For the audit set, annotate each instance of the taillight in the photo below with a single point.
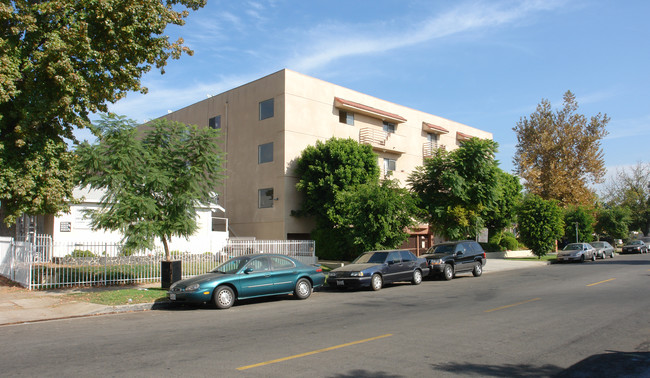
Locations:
(319, 270)
(484, 256)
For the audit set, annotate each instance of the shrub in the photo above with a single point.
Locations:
(81, 253)
(509, 242)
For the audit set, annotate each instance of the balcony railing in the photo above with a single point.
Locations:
(428, 148)
(382, 140)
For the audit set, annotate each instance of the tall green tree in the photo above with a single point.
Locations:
(630, 188)
(354, 212)
(457, 189)
(153, 181)
(559, 153)
(59, 61)
(328, 168)
(503, 211)
(374, 216)
(540, 223)
(580, 219)
(613, 223)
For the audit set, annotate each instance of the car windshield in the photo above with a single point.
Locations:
(232, 266)
(573, 247)
(636, 242)
(443, 248)
(371, 258)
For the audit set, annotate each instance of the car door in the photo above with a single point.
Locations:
(255, 278)
(283, 274)
(409, 263)
(462, 254)
(394, 269)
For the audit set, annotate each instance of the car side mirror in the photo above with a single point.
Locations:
(248, 270)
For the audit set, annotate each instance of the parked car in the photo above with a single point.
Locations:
(375, 269)
(577, 252)
(455, 257)
(249, 276)
(635, 246)
(603, 249)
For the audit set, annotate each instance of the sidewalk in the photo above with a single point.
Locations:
(18, 305)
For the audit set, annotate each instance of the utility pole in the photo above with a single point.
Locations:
(576, 232)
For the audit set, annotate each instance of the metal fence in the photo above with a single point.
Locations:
(45, 265)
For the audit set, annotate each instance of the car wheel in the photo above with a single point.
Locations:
(582, 258)
(303, 289)
(417, 277)
(376, 282)
(448, 272)
(478, 269)
(593, 257)
(223, 297)
(612, 255)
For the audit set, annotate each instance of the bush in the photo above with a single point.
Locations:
(509, 242)
(81, 253)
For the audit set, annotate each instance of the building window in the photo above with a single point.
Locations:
(266, 109)
(265, 198)
(215, 122)
(389, 127)
(389, 165)
(346, 117)
(265, 153)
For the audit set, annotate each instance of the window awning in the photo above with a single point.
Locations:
(463, 137)
(431, 128)
(367, 110)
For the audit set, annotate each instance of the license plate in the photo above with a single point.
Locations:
(340, 283)
(172, 296)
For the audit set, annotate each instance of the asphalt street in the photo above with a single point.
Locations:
(586, 319)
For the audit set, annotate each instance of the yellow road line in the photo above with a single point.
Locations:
(599, 282)
(314, 352)
(513, 305)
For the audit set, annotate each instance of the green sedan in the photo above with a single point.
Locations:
(249, 276)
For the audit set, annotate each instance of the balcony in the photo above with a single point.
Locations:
(428, 148)
(382, 141)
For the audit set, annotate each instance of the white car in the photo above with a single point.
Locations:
(577, 252)
(603, 249)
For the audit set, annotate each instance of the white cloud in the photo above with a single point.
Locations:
(327, 43)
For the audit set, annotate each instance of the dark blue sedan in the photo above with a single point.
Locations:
(249, 276)
(377, 268)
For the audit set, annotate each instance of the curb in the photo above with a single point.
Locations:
(162, 305)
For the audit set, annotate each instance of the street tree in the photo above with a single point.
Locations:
(630, 188)
(328, 168)
(374, 216)
(153, 179)
(458, 189)
(354, 212)
(579, 224)
(503, 212)
(61, 60)
(559, 153)
(540, 223)
(613, 223)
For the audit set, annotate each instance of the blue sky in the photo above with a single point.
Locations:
(482, 63)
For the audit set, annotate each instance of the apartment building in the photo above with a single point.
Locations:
(267, 123)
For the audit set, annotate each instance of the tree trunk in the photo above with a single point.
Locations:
(166, 245)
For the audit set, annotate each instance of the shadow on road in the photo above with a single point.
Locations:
(508, 370)
(611, 364)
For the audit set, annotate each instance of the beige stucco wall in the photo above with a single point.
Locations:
(304, 112)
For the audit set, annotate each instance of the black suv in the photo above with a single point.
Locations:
(454, 257)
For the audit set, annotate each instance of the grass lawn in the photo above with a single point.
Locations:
(116, 297)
